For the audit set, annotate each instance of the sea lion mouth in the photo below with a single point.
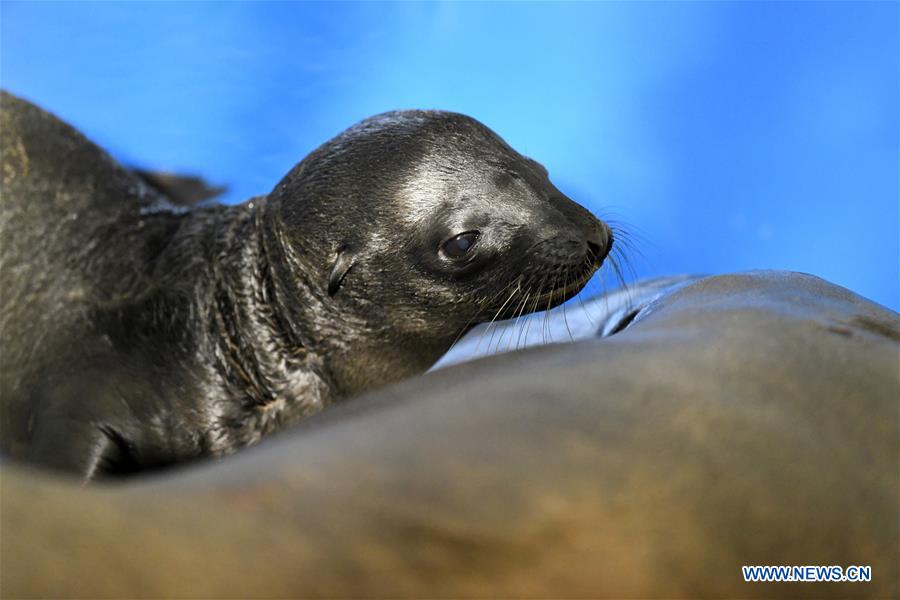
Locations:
(597, 251)
(568, 290)
(529, 293)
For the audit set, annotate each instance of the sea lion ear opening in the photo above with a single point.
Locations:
(339, 269)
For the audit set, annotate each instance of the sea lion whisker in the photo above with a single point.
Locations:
(519, 311)
(519, 316)
(485, 303)
(603, 287)
(587, 313)
(537, 297)
(623, 285)
(624, 259)
(495, 324)
(546, 325)
(464, 330)
(565, 318)
(504, 328)
(494, 318)
(534, 309)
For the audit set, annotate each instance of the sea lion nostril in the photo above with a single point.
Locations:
(598, 246)
(597, 252)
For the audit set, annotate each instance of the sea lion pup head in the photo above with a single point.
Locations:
(412, 226)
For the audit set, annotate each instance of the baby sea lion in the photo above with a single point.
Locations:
(137, 333)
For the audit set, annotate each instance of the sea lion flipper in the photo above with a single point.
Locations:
(79, 448)
(339, 269)
(181, 189)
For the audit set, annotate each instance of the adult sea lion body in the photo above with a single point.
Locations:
(739, 420)
(137, 333)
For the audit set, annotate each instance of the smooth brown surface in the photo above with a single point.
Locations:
(746, 419)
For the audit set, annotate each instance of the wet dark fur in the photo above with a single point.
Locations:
(136, 333)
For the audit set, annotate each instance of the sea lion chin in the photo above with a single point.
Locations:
(198, 330)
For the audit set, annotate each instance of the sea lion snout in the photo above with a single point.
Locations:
(574, 231)
(599, 242)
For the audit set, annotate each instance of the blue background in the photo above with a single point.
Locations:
(727, 136)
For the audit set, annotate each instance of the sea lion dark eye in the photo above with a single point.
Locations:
(460, 245)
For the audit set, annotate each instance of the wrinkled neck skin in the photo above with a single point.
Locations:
(357, 348)
(279, 340)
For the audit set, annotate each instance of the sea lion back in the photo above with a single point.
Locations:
(68, 213)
